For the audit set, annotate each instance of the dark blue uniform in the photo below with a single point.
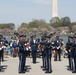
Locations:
(48, 55)
(74, 56)
(69, 44)
(1, 52)
(0, 59)
(22, 57)
(43, 53)
(58, 51)
(34, 47)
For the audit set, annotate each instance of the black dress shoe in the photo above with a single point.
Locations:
(44, 69)
(22, 72)
(34, 62)
(48, 72)
(73, 71)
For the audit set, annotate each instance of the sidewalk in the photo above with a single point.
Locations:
(10, 67)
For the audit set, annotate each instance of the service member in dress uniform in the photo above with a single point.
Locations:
(48, 55)
(69, 50)
(42, 48)
(53, 48)
(22, 54)
(58, 51)
(1, 49)
(74, 54)
(34, 48)
(0, 54)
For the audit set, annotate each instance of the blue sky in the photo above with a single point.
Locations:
(18, 11)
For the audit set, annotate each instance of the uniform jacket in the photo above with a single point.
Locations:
(34, 45)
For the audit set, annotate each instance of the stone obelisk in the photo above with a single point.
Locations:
(54, 8)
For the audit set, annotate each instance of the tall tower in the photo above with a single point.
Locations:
(54, 8)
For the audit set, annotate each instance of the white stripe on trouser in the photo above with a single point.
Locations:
(44, 62)
(49, 65)
(73, 64)
(20, 62)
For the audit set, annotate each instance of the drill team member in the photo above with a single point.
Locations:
(48, 55)
(58, 51)
(34, 47)
(22, 54)
(74, 54)
(69, 49)
(0, 54)
(1, 49)
(42, 48)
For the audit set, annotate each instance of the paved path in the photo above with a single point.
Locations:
(10, 67)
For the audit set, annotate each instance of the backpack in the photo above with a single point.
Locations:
(14, 44)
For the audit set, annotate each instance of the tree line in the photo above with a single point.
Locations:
(7, 25)
(54, 22)
(35, 24)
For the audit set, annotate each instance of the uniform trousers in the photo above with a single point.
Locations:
(21, 62)
(34, 52)
(49, 66)
(43, 59)
(0, 60)
(75, 63)
(70, 62)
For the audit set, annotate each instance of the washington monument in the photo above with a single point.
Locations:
(54, 8)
